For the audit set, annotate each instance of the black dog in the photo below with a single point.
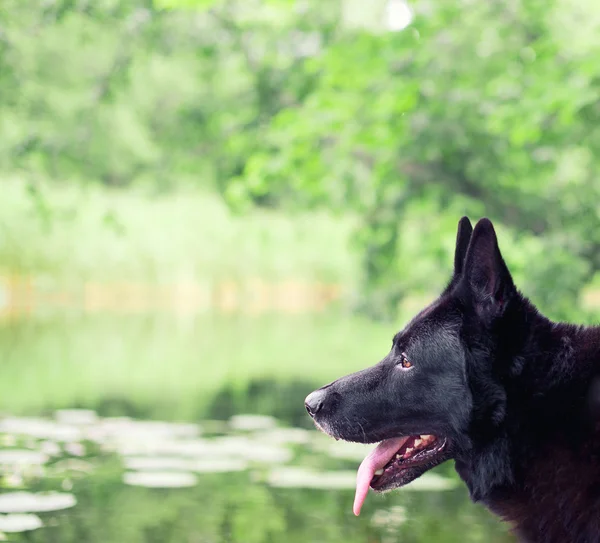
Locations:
(481, 377)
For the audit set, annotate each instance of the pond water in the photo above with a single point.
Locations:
(86, 456)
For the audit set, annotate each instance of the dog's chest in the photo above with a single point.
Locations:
(558, 500)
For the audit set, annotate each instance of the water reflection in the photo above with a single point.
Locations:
(243, 465)
(82, 477)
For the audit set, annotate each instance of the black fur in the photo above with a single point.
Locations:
(516, 395)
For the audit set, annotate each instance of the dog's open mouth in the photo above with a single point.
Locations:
(396, 462)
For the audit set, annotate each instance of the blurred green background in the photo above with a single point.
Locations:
(209, 208)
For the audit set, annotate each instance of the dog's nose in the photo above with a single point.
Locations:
(314, 401)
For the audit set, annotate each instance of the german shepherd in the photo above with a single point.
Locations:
(481, 377)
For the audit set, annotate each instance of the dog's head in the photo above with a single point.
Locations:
(441, 382)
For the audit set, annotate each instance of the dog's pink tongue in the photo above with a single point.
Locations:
(375, 460)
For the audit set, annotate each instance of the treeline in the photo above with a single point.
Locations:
(120, 92)
(479, 108)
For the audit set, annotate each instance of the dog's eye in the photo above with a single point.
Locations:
(405, 362)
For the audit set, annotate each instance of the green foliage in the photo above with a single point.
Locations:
(477, 108)
(123, 92)
(474, 108)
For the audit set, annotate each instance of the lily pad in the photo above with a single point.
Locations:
(19, 523)
(160, 479)
(199, 465)
(229, 446)
(130, 429)
(51, 448)
(75, 449)
(22, 457)
(159, 463)
(430, 482)
(29, 502)
(163, 447)
(40, 428)
(218, 465)
(280, 436)
(252, 422)
(76, 417)
(127, 436)
(344, 450)
(291, 477)
(252, 450)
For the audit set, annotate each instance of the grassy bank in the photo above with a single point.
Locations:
(75, 233)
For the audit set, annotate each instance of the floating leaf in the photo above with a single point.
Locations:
(160, 479)
(293, 477)
(29, 502)
(431, 482)
(22, 457)
(252, 422)
(77, 417)
(40, 428)
(19, 523)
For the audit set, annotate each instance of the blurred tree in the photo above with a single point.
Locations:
(475, 108)
(122, 91)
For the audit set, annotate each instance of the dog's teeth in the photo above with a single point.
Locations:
(379, 472)
(418, 442)
(408, 452)
(397, 456)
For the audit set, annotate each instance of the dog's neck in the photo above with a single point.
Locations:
(516, 397)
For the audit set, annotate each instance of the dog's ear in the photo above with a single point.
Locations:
(486, 273)
(463, 237)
